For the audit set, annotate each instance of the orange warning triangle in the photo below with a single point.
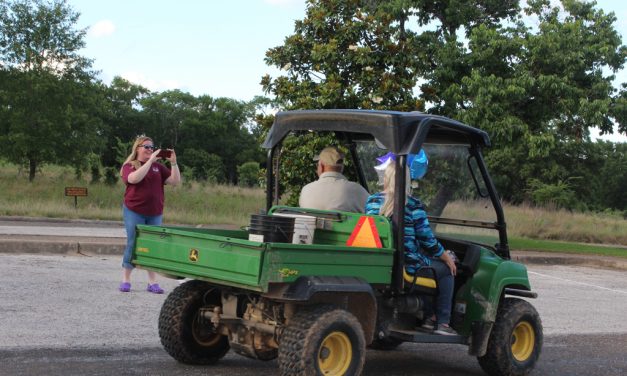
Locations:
(365, 234)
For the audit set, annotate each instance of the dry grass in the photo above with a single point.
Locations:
(559, 224)
(193, 203)
(198, 203)
(539, 223)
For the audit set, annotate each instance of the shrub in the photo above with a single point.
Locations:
(95, 174)
(559, 195)
(204, 166)
(111, 175)
(248, 174)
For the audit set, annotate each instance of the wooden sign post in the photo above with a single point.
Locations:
(76, 191)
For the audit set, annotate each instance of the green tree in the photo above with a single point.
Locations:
(124, 118)
(346, 54)
(204, 166)
(48, 111)
(248, 174)
(220, 126)
(367, 54)
(166, 112)
(612, 177)
(535, 89)
(531, 88)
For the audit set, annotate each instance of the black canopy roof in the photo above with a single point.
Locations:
(397, 131)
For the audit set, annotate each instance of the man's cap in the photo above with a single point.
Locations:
(330, 156)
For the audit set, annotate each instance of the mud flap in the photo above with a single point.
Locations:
(480, 335)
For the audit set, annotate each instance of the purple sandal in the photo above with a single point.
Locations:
(125, 286)
(154, 288)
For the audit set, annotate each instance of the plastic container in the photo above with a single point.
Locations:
(271, 229)
(304, 227)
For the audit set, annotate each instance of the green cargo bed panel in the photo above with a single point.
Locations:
(200, 253)
(285, 263)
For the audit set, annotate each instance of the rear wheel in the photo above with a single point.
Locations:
(322, 341)
(515, 341)
(184, 335)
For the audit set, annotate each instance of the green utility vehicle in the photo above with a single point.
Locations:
(319, 306)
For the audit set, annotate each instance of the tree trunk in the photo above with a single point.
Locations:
(32, 169)
(440, 200)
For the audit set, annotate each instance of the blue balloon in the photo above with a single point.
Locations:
(418, 164)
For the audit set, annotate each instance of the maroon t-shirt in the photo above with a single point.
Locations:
(146, 197)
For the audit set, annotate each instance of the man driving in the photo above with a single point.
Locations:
(332, 190)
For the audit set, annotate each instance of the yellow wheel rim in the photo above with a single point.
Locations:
(335, 354)
(523, 341)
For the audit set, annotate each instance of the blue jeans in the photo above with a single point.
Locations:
(444, 300)
(132, 219)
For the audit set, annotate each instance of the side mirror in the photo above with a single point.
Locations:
(482, 190)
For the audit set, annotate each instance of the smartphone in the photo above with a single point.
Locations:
(164, 153)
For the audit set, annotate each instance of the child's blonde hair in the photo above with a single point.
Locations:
(389, 182)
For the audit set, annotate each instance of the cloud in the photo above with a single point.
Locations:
(284, 3)
(150, 83)
(102, 28)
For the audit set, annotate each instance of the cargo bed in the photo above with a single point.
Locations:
(227, 257)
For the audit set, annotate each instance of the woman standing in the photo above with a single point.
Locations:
(143, 199)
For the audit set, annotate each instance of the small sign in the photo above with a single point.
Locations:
(76, 191)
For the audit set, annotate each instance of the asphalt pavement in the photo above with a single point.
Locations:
(63, 315)
(61, 308)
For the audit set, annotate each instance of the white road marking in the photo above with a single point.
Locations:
(579, 283)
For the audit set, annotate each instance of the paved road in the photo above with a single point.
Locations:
(63, 315)
(60, 227)
(56, 230)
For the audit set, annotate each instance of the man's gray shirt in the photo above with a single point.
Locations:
(332, 191)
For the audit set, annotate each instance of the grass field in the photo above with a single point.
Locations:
(202, 204)
(193, 203)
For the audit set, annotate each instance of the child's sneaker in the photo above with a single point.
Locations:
(445, 330)
(428, 324)
(154, 288)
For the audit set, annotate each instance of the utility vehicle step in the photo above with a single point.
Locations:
(422, 337)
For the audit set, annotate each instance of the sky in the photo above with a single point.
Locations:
(212, 47)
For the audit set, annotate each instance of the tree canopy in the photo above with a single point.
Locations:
(47, 115)
(537, 77)
(53, 108)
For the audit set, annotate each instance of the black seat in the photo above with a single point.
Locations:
(470, 262)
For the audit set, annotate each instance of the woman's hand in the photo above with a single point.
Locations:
(172, 157)
(175, 177)
(448, 260)
(153, 157)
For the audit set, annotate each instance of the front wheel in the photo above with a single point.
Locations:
(323, 340)
(515, 341)
(184, 335)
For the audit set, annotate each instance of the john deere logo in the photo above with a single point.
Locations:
(193, 255)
